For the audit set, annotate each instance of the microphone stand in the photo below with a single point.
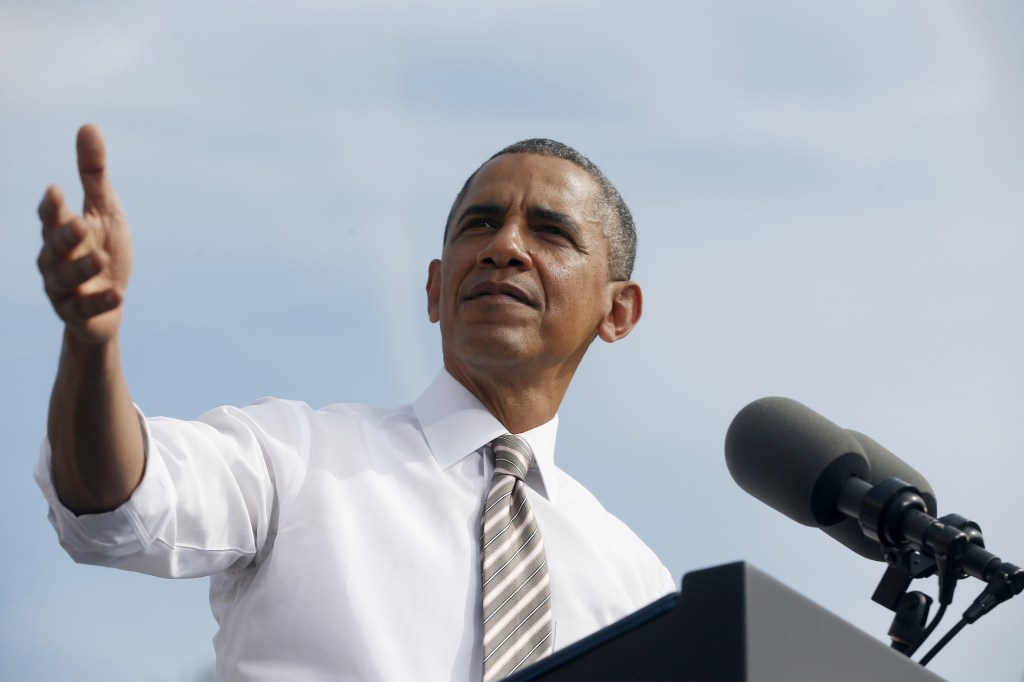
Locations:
(916, 545)
(909, 625)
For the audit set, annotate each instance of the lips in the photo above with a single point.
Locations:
(496, 291)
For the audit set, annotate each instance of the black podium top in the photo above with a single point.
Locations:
(730, 623)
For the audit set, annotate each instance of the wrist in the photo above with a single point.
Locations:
(90, 352)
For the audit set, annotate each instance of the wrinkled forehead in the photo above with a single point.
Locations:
(534, 180)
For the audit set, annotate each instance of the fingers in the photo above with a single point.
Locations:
(63, 279)
(75, 272)
(53, 210)
(76, 311)
(92, 168)
(78, 286)
(59, 243)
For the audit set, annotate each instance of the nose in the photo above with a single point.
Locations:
(507, 248)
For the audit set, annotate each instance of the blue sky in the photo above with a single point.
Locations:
(829, 204)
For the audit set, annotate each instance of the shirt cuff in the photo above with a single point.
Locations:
(125, 530)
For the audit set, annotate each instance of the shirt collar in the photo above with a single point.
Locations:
(456, 424)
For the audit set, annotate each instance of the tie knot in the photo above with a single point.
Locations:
(512, 456)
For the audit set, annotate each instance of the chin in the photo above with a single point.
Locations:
(493, 345)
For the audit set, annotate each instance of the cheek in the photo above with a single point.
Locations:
(579, 294)
(449, 286)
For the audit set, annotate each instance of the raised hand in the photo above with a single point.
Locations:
(86, 259)
(94, 434)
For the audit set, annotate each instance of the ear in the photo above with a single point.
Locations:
(627, 305)
(434, 290)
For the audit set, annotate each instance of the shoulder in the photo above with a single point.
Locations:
(275, 424)
(270, 410)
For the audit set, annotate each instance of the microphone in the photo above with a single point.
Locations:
(819, 474)
(843, 482)
(793, 459)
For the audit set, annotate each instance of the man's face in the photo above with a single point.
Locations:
(523, 275)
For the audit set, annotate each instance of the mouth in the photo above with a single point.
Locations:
(500, 292)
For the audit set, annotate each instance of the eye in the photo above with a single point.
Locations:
(476, 225)
(554, 231)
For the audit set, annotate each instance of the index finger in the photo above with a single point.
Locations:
(92, 168)
(53, 210)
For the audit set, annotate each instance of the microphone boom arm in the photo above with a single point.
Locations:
(894, 514)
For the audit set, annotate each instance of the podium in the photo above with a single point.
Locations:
(730, 623)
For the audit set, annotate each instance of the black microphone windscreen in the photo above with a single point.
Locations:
(793, 459)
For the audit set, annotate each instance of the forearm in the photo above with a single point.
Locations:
(94, 432)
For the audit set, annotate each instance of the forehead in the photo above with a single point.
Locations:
(534, 180)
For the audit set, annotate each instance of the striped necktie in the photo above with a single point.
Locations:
(516, 593)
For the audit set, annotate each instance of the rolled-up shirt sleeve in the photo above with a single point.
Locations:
(207, 499)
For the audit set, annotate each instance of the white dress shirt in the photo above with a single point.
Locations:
(343, 543)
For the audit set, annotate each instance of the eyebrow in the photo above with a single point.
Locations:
(490, 210)
(493, 210)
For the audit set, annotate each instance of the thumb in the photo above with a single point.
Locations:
(92, 168)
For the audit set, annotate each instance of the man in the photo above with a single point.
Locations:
(345, 543)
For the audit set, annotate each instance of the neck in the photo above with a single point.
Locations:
(520, 400)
